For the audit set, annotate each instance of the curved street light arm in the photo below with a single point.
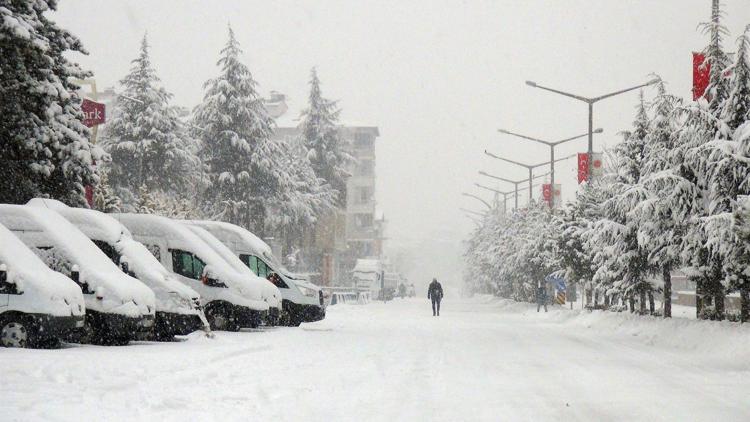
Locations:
(472, 212)
(622, 91)
(556, 91)
(478, 198)
(510, 161)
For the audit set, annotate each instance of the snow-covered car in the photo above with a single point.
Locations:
(119, 308)
(269, 292)
(178, 310)
(38, 306)
(302, 301)
(229, 301)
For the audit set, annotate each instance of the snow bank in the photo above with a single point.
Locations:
(723, 340)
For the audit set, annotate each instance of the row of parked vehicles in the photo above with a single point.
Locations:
(76, 274)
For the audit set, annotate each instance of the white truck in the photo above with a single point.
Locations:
(119, 308)
(38, 306)
(302, 300)
(269, 292)
(178, 310)
(229, 301)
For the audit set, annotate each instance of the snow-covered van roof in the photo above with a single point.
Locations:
(97, 225)
(120, 293)
(234, 233)
(180, 236)
(271, 293)
(46, 291)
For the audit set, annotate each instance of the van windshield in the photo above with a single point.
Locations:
(261, 269)
(108, 250)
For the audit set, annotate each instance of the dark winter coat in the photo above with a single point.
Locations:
(435, 292)
(541, 294)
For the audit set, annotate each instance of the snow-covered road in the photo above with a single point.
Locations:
(478, 361)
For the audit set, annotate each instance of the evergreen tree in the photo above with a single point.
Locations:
(623, 263)
(320, 135)
(660, 226)
(105, 200)
(146, 140)
(45, 149)
(246, 167)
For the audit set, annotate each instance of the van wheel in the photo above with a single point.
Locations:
(14, 334)
(219, 318)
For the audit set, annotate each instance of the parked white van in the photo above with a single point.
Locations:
(178, 309)
(38, 306)
(302, 301)
(269, 292)
(119, 308)
(229, 301)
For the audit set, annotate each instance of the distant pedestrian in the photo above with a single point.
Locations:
(541, 297)
(435, 293)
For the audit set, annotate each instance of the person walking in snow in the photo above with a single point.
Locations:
(541, 296)
(435, 293)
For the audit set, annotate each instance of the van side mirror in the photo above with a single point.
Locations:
(75, 275)
(6, 287)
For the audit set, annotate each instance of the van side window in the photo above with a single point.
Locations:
(262, 269)
(250, 261)
(182, 263)
(198, 266)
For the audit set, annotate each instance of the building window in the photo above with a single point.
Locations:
(365, 168)
(362, 140)
(364, 195)
(363, 220)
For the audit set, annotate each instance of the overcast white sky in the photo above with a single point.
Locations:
(438, 77)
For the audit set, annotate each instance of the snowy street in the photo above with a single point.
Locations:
(481, 360)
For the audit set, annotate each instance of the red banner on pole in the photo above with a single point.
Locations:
(583, 167)
(701, 75)
(547, 193)
(93, 113)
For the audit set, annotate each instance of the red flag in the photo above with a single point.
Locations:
(701, 75)
(547, 193)
(583, 167)
(90, 196)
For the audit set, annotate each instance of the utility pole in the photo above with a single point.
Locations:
(514, 182)
(529, 167)
(551, 146)
(590, 102)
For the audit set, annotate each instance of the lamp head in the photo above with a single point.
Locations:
(599, 130)
(531, 84)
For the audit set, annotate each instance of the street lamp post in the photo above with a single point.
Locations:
(514, 182)
(489, 207)
(504, 194)
(529, 167)
(551, 146)
(590, 102)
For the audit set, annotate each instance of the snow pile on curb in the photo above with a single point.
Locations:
(723, 339)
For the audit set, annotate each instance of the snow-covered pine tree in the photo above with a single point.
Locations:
(245, 165)
(146, 140)
(105, 200)
(45, 149)
(320, 135)
(729, 169)
(623, 263)
(660, 227)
